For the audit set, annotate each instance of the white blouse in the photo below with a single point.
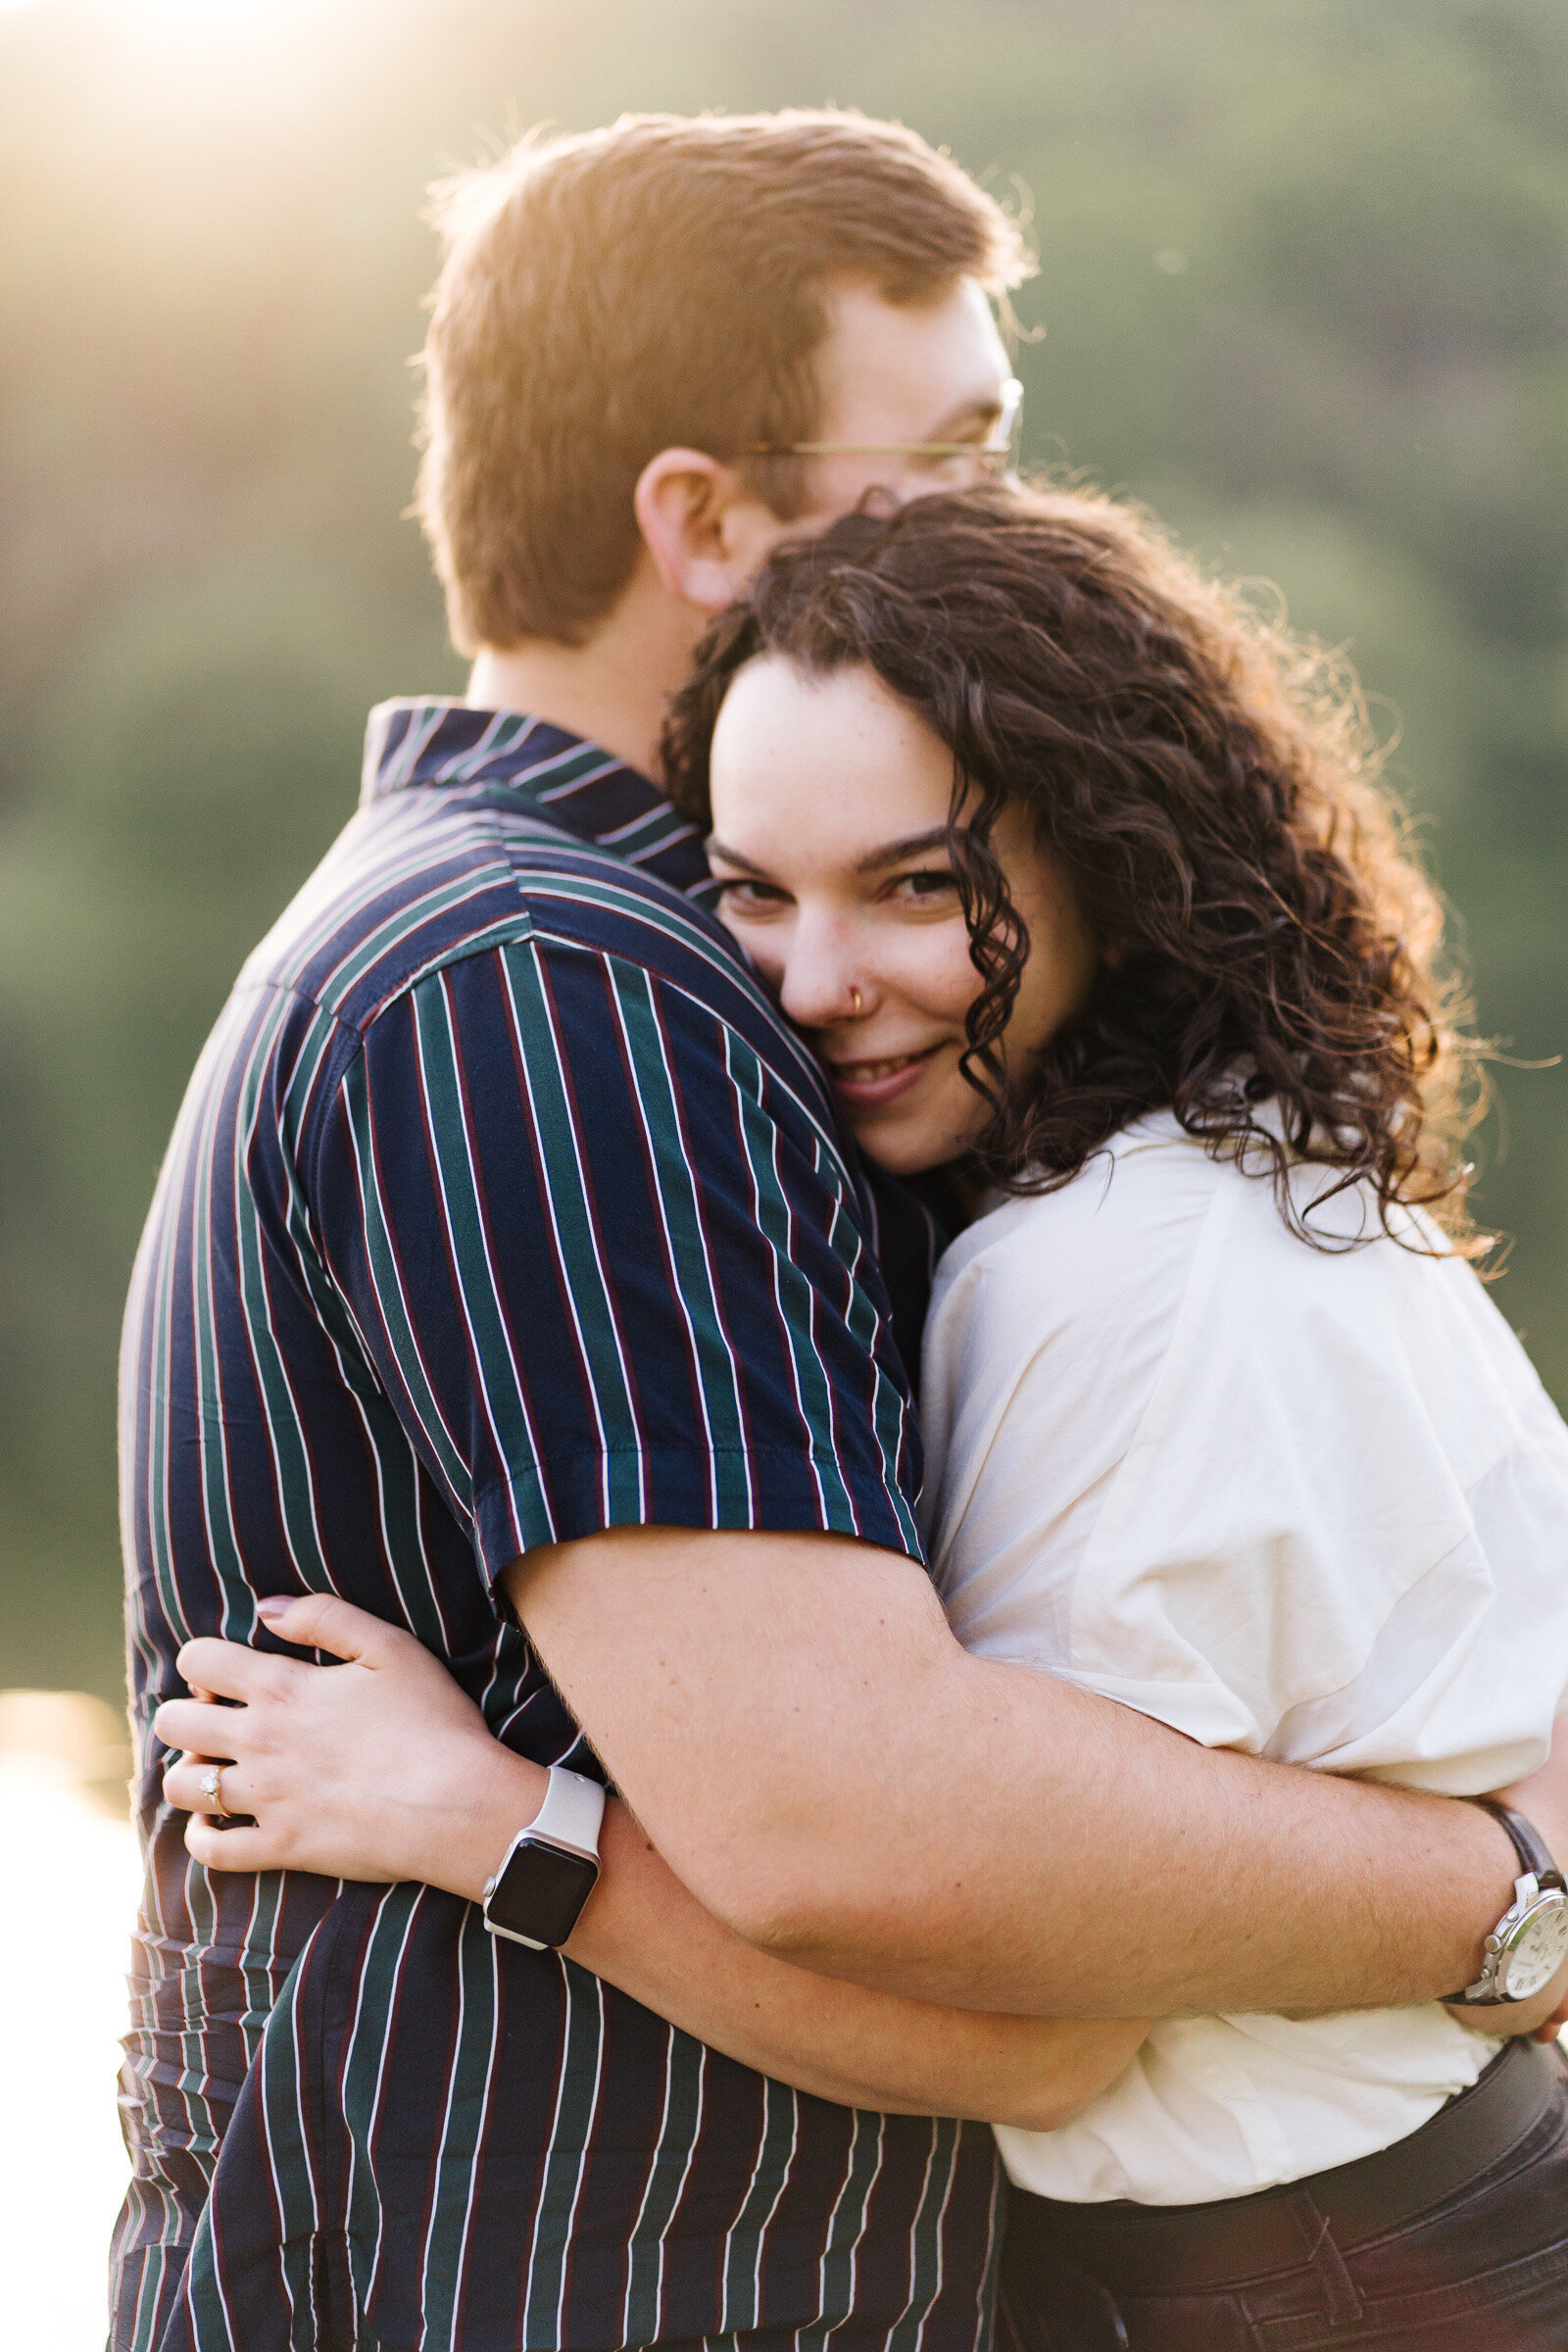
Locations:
(1308, 1503)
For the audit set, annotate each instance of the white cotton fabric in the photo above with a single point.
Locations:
(1309, 1504)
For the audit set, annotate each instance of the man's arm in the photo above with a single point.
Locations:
(383, 1769)
(818, 1760)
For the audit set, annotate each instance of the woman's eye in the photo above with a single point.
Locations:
(749, 898)
(925, 888)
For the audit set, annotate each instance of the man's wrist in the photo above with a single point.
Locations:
(1487, 1869)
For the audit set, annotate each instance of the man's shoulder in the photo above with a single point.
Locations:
(423, 884)
(421, 880)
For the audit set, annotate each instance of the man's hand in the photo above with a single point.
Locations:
(1543, 2019)
(375, 1769)
(1543, 1799)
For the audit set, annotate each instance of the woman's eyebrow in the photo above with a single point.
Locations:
(715, 848)
(894, 853)
(876, 861)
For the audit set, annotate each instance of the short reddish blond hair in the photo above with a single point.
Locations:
(652, 285)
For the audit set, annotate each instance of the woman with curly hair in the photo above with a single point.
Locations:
(1079, 879)
(1081, 882)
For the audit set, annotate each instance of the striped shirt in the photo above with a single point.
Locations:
(502, 1208)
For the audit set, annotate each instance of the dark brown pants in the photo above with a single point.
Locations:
(1363, 2256)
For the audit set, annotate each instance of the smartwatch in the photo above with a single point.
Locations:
(550, 1868)
(1530, 1941)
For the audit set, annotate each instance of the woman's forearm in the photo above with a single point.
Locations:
(644, 1934)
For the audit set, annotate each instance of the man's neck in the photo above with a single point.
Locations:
(611, 691)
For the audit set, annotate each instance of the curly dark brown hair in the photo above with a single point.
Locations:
(1208, 786)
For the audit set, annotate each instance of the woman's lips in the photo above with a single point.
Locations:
(867, 1084)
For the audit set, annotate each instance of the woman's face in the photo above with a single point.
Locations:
(830, 809)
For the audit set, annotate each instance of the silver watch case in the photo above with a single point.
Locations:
(1525, 1949)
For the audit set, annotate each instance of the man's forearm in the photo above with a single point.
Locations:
(831, 1775)
(1139, 1874)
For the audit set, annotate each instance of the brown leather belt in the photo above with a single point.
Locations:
(1185, 2249)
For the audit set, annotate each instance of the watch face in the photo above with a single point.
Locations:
(540, 1895)
(1536, 1948)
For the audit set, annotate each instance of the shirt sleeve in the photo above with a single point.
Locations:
(605, 1264)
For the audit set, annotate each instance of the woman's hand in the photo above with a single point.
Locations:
(380, 1768)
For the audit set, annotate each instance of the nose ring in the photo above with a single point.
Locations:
(855, 1000)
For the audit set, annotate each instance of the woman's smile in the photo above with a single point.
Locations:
(864, 1085)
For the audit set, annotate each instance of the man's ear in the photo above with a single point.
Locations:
(704, 530)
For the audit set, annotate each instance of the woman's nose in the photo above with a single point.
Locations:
(822, 980)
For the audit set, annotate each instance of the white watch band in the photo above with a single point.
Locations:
(572, 1813)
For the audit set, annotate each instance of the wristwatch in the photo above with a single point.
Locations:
(550, 1868)
(1530, 1941)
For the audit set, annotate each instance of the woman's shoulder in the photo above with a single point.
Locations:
(1093, 1261)
(1127, 1222)
(1157, 1228)
(1155, 1182)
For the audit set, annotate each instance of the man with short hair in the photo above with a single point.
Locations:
(505, 1229)
(657, 348)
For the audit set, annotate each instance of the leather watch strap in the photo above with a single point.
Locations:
(1532, 1854)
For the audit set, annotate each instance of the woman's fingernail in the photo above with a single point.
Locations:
(273, 1605)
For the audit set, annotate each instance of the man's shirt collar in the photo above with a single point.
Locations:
(575, 785)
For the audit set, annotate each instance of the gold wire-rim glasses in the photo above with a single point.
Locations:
(1000, 451)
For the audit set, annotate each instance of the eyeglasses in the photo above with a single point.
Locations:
(998, 455)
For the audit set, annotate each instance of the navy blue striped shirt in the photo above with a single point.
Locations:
(502, 1208)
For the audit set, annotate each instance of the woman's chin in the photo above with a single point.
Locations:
(908, 1146)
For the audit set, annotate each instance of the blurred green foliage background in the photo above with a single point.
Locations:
(1303, 286)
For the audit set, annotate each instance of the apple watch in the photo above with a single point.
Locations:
(1530, 1941)
(550, 1868)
